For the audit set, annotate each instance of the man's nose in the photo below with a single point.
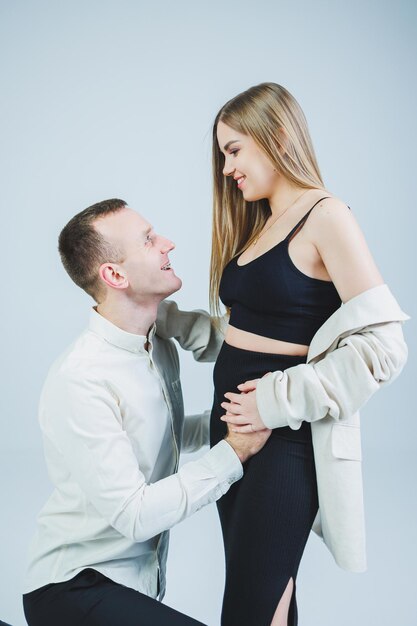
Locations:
(167, 245)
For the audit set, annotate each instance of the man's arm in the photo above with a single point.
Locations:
(194, 330)
(195, 434)
(82, 420)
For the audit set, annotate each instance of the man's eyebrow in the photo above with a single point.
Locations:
(229, 143)
(144, 233)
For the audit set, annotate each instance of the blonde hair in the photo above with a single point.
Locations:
(272, 117)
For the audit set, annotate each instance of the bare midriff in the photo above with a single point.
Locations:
(249, 341)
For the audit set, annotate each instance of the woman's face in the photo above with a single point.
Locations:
(253, 172)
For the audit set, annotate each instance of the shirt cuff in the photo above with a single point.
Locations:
(224, 463)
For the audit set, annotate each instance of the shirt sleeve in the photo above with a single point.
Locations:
(195, 433)
(82, 420)
(194, 330)
(339, 384)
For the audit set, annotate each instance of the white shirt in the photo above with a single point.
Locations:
(112, 420)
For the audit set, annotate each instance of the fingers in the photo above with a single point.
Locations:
(246, 428)
(249, 429)
(233, 397)
(249, 385)
(234, 419)
(231, 409)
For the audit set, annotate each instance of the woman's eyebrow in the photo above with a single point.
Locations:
(229, 143)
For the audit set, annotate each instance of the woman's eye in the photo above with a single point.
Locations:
(234, 152)
(148, 239)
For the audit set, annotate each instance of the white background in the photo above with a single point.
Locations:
(114, 98)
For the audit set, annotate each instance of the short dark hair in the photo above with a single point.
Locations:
(83, 249)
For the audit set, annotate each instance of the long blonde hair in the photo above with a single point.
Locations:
(268, 113)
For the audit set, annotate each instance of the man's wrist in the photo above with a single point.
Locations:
(242, 456)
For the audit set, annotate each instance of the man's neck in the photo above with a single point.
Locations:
(133, 317)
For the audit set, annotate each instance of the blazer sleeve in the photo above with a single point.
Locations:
(338, 384)
(194, 330)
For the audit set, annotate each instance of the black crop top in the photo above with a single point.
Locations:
(270, 296)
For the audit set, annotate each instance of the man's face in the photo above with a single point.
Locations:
(145, 261)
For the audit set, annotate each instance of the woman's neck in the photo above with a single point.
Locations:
(285, 194)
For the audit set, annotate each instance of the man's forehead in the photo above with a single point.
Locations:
(126, 220)
(139, 219)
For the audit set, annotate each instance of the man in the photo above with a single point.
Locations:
(111, 415)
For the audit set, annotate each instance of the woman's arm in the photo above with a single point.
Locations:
(335, 233)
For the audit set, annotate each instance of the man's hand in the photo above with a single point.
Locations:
(246, 445)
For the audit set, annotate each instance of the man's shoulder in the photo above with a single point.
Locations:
(82, 359)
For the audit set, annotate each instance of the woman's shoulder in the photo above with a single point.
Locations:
(341, 244)
(332, 217)
(330, 206)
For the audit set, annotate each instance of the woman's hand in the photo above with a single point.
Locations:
(242, 414)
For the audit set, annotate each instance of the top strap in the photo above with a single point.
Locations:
(303, 220)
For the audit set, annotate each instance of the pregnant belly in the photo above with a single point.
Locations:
(249, 341)
(237, 365)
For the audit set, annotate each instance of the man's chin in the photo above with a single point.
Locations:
(176, 285)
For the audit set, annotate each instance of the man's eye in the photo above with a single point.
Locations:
(148, 239)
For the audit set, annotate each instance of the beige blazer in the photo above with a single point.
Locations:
(357, 350)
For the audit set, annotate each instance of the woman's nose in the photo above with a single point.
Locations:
(228, 168)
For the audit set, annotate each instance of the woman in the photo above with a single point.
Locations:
(286, 253)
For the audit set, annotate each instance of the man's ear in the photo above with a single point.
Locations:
(113, 276)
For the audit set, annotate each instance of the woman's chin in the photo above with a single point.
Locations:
(251, 197)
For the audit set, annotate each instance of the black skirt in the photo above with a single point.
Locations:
(266, 517)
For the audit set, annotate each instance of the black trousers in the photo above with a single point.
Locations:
(91, 599)
(266, 517)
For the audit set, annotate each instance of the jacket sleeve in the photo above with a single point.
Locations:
(194, 330)
(84, 425)
(338, 384)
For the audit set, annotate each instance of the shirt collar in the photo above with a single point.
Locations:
(118, 337)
